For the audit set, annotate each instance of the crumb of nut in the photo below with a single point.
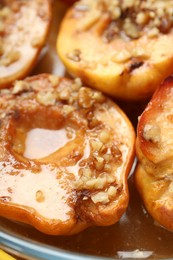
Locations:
(99, 163)
(121, 56)
(46, 98)
(70, 132)
(98, 96)
(4, 12)
(36, 42)
(110, 179)
(10, 58)
(39, 196)
(90, 184)
(87, 172)
(142, 18)
(20, 86)
(107, 167)
(65, 94)
(154, 32)
(75, 55)
(54, 80)
(101, 182)
(96, 145)
(115, 151)
(93, 122)
(139, 52)
(85, 97)
(112, 191)
(171, 187)
(132, 18)
(107, 157)
(67, 109)
(100, 197)
(152, 133)
(170, 117)
(117, 13)
(104, 136)
(131, 29)
(5, 91)
(77, 84)
(79, 184)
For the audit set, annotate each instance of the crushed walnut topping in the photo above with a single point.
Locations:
(36, 42)
(46, 98)
(20, 86)
(74, 55)
(10, 58)
(152, 133)
(98, 176)
(132, 18)
(39, 196)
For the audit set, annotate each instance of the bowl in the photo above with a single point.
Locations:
(135, 236)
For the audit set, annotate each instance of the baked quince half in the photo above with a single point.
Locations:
(123, 48)
(65, 154)
(154, 174)
(24, 27)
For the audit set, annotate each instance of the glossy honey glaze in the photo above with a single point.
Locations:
(136, 235)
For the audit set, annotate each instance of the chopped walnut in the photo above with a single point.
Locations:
(112, 191)
(152, 133)
(46, 98)
(67, 109)
(39, 196)
(99, 163)
(10, 58)
(5, 12)
(20, 86)
(122, 56)
(65, 94)
(133, 18)
(100, 197)
(74, 55)
(131, 29)
(54, 80)
(104, 136)
(36, 42)
(85, 97)
(77, 84)
(96, 145)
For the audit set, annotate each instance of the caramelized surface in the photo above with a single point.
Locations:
(135, 231)
(102, 43)
(155, 152)
(135, 235)
(79, 183)
(24, 27)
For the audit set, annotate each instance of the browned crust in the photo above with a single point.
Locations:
(154, 150)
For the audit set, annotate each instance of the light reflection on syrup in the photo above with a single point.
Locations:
(42, 142)
(86, 154)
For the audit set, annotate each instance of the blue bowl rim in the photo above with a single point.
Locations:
(30, 248)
